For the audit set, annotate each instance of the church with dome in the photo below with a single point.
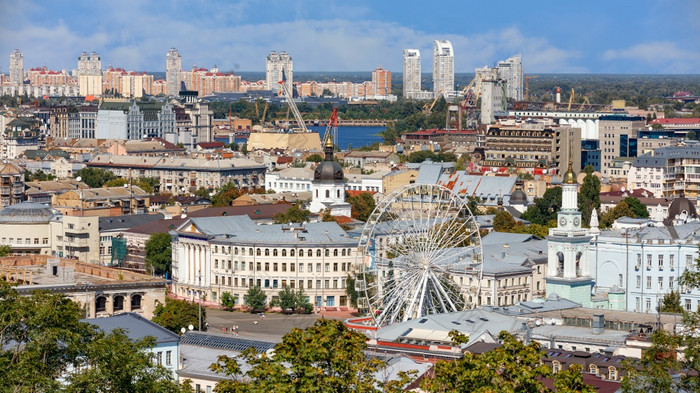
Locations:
(328, 185)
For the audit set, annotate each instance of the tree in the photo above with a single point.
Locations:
(351, 291)
(296, 213)
(176, 314)
(545, 209)
(503, 222)
(302, 302)
(640, 211)
(227, 300)
(38, 175)
(117, 364)
(589, 195)
(671, 303)
(287, 298)
(314, 158)
(326, 357)
(571, 381)
(202, 193)
(622, 209)
(327, 217)
(5, 250)
(512, 367)
(159, 253)
(95, 177)
(362, 205)
(41, 337)
(255, 298)
(473, 203)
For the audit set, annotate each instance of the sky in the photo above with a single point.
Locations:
(609, 37)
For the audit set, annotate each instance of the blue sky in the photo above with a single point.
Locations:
(652, 37)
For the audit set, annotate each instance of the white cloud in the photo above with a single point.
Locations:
(133, 36)
(664, 56)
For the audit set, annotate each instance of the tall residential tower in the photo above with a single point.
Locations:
(511, 71)
(90, 74)
(411, 72)
(173, 70)
(381, 82)
(278, 66)
(16, 67)
(443, 68)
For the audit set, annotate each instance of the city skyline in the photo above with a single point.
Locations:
(333, 36)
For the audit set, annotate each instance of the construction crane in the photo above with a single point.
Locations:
(427, 109)
(571, 99)
(527, 85)
(293, 106)
(471, 94)
(262, 119)
(331, 134)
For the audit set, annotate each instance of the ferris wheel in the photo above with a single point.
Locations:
(421, 254)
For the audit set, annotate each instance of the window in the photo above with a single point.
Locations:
(168, 358)
(687, 304)
(612, 373)
(216, 263)
(284, 267)
(318, 268)
(661, 261)
(661, 283)
(639, 281)
(159, 358)
(291, 267)
(670, 261)
(309, 253)
(670, 282)
(335, 252)
(291, 253)
(688, 260)
(301, 268)
(327, 267)
(258, 266)
(257, 251)
(648, 282)
(284, 252)
(648, 261)
(318, 253)
(274, 252)
(274, 267)
(267, 252)
(556, 366)
(335, 267)
(648, 304)
(267, 266)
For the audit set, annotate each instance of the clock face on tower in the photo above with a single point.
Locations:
(576, 221)
(562, 221)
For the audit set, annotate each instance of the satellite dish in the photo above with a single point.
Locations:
(622, 189)
(183, 330)
(79, 178)
(190, 327)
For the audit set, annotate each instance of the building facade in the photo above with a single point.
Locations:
(11, 184)
(411, 72)
(215, 255)
(443, 68)
(135, 120)
(618, 136)
(381, 82)
(668, 172)
(90, 74)
(511, 71)
(16, 67)
(173, 68)
(279, 67)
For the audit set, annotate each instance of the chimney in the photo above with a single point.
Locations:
(598, 323)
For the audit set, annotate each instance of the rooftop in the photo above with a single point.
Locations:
(136, 327)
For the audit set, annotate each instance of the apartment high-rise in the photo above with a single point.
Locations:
(16, 67)
(381, 82)
(173, 70)
(511, 71)
(278, 66)
(90, 74)
(411, 72)
(443, 68)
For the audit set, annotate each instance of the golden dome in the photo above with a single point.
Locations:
(570, 176)
(329, 142)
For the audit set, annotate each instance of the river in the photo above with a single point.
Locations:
(354, 136)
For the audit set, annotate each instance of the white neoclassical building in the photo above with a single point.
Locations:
(230, 254)
(328, 186)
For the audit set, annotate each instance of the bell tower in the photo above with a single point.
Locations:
(568, 272)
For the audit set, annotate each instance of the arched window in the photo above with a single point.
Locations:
(291, 252)
(338, 192)
(135, 302)
(309, 253)
(560, 263)
(235, 251)
(257, 251)
(284, 252)
(216, 249)
(328, 193)
(316, 193)
(593, 369)
(118, 303)
(556, 366)
(343, 252)
(250, 252)
(612, 373)
(578, 265)
(100, 304)
(335, 252)
(274, 252)
(267, 252)
(318, 252)
(327, 253)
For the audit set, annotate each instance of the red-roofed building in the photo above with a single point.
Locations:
(679, 123)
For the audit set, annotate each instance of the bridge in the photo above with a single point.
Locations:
(341, 122)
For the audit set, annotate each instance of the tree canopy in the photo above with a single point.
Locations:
(640, 211)
(42, 340)
(148, 184)
(362, 205)
(326, 357)
(589, 195)
(255, 298)
(159, 254)
(95, 177)
(176, 314)
(296, 214)
(545, 209)
(622, 209)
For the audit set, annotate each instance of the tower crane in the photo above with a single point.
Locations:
(427, 109)
(262, 120)
(527, 85)
(293, 106)
(571, 99)
(330, 136)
